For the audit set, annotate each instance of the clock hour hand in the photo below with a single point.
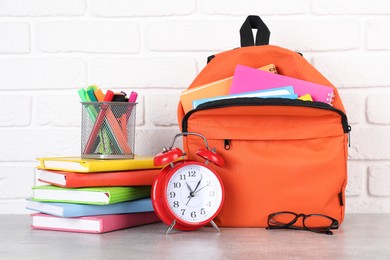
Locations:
(193, 192)
(189, 187)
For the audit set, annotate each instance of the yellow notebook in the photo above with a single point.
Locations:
(78, 164)
(213, 89)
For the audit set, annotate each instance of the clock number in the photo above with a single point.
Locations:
(176, 185)
(183, 211)
(208, 204)
(202, 211)
(182, 177)
(212, 193)
(172, 194)
(175, 204)
(193, 214)
(191, 174)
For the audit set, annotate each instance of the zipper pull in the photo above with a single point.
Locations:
(349, 135)
(227, 144)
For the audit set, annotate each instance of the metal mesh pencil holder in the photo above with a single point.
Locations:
(108, 130)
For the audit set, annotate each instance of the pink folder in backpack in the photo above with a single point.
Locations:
(249, 79)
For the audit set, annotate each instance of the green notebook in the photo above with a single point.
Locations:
(95, 195)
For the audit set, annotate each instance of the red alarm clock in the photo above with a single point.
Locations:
(187, 194)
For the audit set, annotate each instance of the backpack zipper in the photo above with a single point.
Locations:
(266, 102)
(226, 144)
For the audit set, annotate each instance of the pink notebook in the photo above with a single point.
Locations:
(249, 79)
(92, 224)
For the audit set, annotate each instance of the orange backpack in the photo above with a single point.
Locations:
(280, 154)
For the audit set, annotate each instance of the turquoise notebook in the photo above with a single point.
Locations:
(68, 210)
(282, 92)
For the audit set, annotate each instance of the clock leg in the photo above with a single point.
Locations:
(170, 227)
(215, 226)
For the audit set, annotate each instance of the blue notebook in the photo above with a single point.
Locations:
(68, 210)
(283, 92)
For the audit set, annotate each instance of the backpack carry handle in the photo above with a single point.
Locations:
(246, 34)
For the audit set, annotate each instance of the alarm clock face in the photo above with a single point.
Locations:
(194, 193)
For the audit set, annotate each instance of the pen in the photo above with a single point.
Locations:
(132, 99)
(99, 95)
(133, 96)
(104, 137)
(119, 97)
(98, 123)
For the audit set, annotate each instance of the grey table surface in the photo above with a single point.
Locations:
(360, 237)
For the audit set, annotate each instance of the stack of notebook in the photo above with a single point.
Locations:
(92, 195)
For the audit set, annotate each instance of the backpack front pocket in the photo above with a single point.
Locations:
(280, 155)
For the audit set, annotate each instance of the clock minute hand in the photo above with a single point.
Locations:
(197, 185)
(192, 193)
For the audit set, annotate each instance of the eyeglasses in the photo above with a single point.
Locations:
(314, 222)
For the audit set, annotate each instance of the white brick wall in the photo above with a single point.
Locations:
(16, 37)
(50, 73)
(50, 48)
(41, 8)
(88, 36)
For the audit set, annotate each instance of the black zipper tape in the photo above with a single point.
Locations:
(265, 102)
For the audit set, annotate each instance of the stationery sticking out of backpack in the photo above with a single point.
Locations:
(282, 152)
